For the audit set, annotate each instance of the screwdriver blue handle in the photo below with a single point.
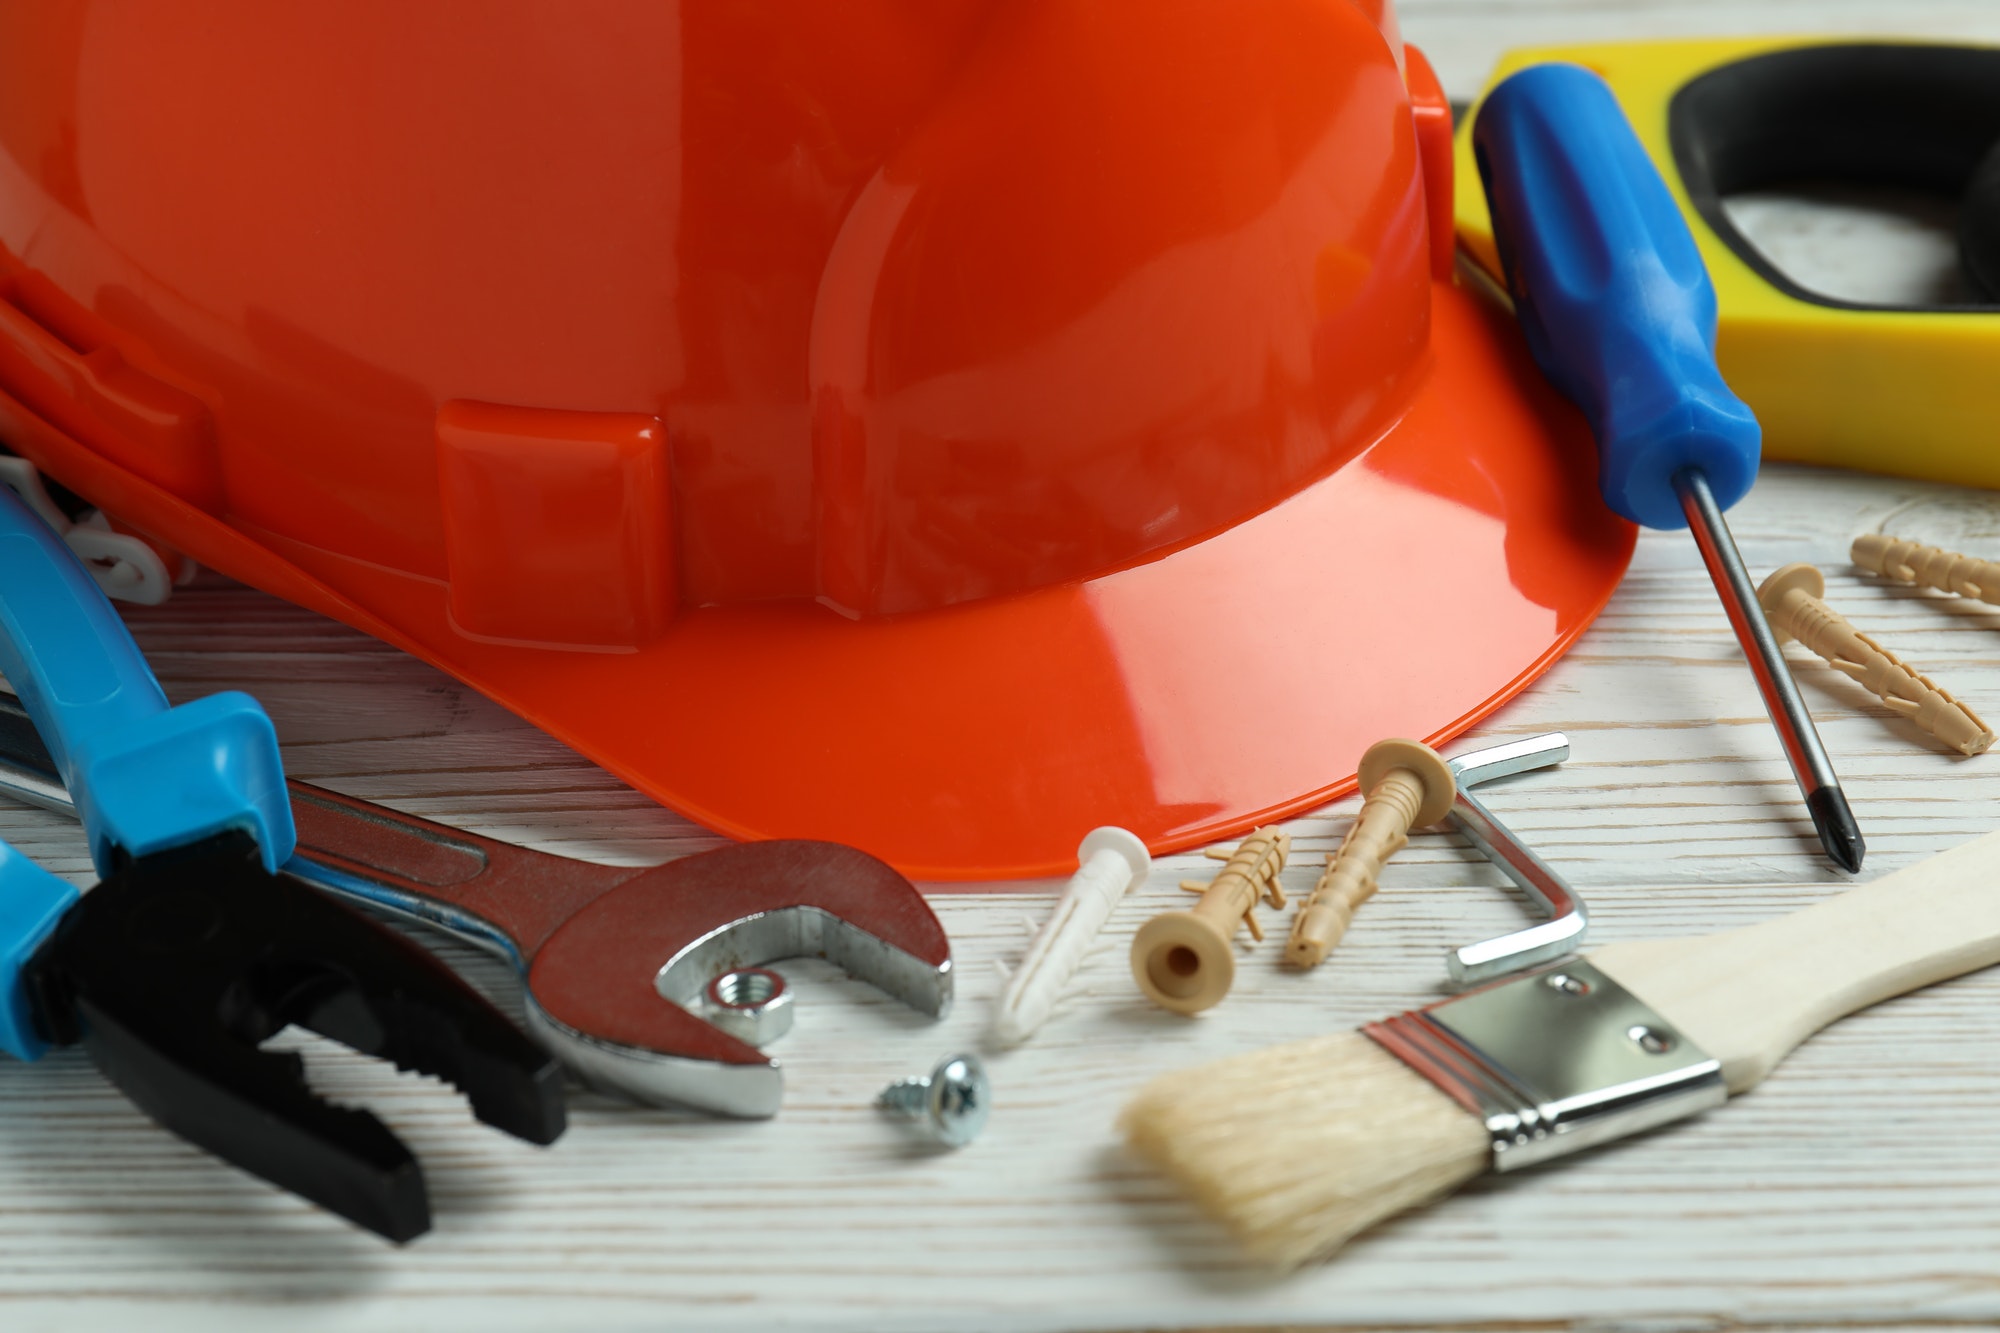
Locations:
(1610, 290)
(145, 777)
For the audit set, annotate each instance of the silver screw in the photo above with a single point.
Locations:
(952, 1103)
(1567, 984)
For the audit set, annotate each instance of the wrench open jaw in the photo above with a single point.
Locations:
(596, 988)
(610, 955)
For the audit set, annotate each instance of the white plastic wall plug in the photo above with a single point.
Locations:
(1111, 862)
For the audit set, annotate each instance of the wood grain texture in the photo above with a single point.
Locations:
(1862, 1180)
(1859, 1187)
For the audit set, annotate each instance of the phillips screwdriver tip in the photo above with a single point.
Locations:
(1838, 832)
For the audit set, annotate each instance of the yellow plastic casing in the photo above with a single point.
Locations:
(1911, 393)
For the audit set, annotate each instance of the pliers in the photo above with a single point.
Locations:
(192, 948)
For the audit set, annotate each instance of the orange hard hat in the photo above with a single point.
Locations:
(942, 426)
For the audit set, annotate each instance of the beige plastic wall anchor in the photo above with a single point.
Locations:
(1791, 598)
(1407, 784)
(1931, 566)
(1185, 961)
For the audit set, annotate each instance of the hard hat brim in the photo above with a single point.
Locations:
(1231, 682)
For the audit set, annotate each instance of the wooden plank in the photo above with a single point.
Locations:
(1862, 1180)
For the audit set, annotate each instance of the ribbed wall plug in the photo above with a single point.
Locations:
(1792, 599)
(1407, 784)
(1929, 566)
(1184, 961)
(1110, 863)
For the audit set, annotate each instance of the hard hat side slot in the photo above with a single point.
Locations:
(62, 361)
(557, 528)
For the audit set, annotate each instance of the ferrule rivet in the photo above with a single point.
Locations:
(1650, 1039)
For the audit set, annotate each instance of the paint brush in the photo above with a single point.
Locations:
(1354, 1128)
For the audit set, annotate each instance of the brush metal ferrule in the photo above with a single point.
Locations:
(1555, 1061)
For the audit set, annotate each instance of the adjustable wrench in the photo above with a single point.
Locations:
(608, 954)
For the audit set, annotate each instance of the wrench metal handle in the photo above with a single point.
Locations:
(459, 882)
(27, 772)
(1563, 932)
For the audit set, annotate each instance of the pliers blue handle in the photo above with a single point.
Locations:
(32, 902)
(145, 777)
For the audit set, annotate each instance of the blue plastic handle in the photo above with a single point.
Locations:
(32, 901)
(1611, 291)
(145, 777)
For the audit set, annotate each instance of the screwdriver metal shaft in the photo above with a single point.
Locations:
(1838, 832)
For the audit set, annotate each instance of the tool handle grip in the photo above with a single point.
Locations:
(1748, 996)
(1610, 290)
(145, 777)
(32, 902)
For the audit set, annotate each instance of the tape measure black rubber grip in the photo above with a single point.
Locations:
(1921, 117)
(1979, 228)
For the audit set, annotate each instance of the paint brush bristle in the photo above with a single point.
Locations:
(1299, 1147)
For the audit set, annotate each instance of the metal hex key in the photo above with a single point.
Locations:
(1563, 932)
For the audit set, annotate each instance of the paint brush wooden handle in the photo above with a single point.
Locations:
(1748, 996)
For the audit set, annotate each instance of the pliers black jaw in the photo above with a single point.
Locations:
(196, 947)
(174, 969)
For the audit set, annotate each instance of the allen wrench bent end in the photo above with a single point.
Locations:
(1563, 932)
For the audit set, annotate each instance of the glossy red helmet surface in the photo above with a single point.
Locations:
(942, 426)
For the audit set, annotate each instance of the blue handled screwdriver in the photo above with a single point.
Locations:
(1619, 313)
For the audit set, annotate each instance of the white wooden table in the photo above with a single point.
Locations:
(1860, 1187)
